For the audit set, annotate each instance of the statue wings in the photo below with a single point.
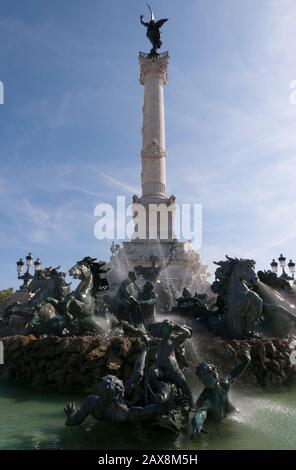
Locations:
(159, 23)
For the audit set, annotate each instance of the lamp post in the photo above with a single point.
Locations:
(282, 263)
(27, 276)
(37, 265)
(291, 266)
(274, 266)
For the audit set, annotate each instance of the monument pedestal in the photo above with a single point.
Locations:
(185, 269)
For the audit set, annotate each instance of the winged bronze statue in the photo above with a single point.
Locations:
(153, 31)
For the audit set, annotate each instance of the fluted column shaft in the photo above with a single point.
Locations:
(154, 78)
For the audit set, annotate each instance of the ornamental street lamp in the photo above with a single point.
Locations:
(282, 262)
(19, 265)
(274, 266)
(37, 265)
(29, 260)
(27, 276)
(291, 266)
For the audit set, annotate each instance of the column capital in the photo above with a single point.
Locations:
(156, 65)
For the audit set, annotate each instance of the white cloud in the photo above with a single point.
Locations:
(117, 183)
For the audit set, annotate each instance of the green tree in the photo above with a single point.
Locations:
(4, 295)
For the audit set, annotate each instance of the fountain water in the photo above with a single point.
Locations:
(278, 297)
(278, 310)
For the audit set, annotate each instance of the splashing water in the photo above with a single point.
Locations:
(275, 297)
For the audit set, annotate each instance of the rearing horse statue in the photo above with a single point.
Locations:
(47, 283)
(78, 307)
(81, 304)
(235, 279)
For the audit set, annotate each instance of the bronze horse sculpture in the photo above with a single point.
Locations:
(79, 307)
(235, 282)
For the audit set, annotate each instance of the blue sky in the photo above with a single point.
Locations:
(70, 127)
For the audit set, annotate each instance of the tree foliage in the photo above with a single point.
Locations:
(5, 294)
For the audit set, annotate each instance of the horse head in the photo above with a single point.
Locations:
(244, 270)
(82, 269)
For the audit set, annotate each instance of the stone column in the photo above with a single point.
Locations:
(154, 78)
